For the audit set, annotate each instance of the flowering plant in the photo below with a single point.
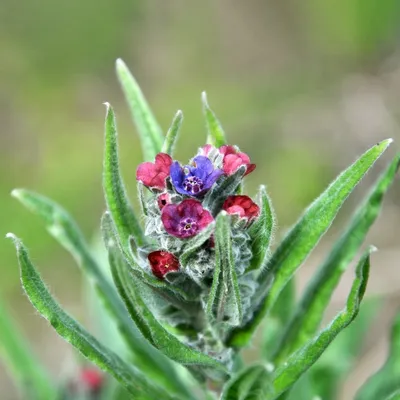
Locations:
(191, 286)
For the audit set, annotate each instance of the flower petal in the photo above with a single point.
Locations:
(177, 177)
(203, 168)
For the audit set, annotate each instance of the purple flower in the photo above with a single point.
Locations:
(186, 219)
(196, 179)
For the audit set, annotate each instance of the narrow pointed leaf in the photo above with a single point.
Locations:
(149, 131)
(252, 383)
(25, 369)
(130, 289)
(387, 379)
(261, 232)
(300, 361)
(309, 312)
(126, 224)
(64, 229)
(302, 238)
(326, 376)
(216, 135)
(172, 134)
(193, 244)
(277, 319)
(142, 198)
(394, 396)
(224, 299)
(74, 333)
(116, 198)
(216, 196)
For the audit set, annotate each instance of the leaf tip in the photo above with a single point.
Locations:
(11, 236)
(119, 64)
(204, 98)
(372, 249)
(17, 193)
(385, 143)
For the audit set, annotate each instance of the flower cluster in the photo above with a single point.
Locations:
(181, 199)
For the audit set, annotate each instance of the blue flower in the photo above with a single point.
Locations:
(196, 179)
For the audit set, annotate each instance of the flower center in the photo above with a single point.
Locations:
(188, 227)
(193, 184)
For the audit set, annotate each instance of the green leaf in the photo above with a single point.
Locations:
(261, 232)
(276, 320)
(192, 245)
(310, 310)
(224, 299)
(394, 396)
(387, 379)
(130, 289)
(64, 229)
(300, 361)
(149, 131)
(26, 370)
(126, 224)
(130, 378)
(301, 240)
(325, 377)
(216, 135)
(215, 198)
(142, 198)
(252, 383)
(116, 198)
(172, 134)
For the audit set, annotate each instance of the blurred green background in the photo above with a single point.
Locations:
(303, 87)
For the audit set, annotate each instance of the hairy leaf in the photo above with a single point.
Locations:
(192, 245)
(302, 238)
(149, 131)
(300, 361)
(261, 232)
(130, 290)
(74, 333)
(172, 134)
(224, 299)
(116, 199)
(252, 383)
(26, 370)
(325, 377)
(310, 310)
(216, 135)
(64, 229)
(387, 379)
(215, 198)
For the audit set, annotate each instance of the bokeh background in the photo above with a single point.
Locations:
(303, 87)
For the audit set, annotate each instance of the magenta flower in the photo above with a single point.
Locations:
(196, 179)
(153, 175)
(243, 206)
(162, 262)
(234, 159)
(186, 219)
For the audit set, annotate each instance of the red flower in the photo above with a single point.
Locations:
(234, 159)
(162, 262)
(92, 379)
(162, 200)
(153, 175)
(244, 206)
(185, 219)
